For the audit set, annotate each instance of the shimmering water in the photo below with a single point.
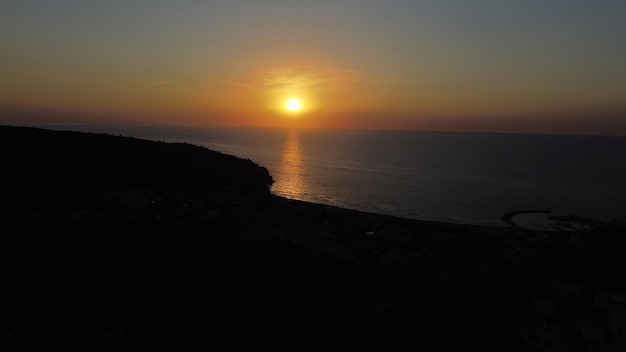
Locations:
(457, 177)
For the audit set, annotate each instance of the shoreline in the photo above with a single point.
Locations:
(470, 216)
(104, 135)
(391, 218)
(567, 223)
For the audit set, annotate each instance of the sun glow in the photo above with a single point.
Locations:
(293, 105)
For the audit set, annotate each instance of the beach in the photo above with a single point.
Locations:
(116, 243)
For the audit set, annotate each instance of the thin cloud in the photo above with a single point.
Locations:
(305, 77)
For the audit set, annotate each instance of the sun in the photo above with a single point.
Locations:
(293, 105)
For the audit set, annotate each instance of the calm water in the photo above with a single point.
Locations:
(457, 177)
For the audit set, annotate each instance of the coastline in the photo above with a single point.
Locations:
(470, 204)
(118, 243)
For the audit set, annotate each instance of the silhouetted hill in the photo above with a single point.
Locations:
(48, 160)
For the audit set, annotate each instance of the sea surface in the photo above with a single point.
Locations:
(467, 178)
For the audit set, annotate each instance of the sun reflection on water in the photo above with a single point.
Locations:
(290, 182)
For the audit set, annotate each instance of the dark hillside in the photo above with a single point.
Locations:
(118, 244)
(48, 160)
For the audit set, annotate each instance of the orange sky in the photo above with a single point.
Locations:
(508, 67)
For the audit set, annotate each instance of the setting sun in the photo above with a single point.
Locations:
(293, 105)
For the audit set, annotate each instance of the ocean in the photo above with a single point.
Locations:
(469, 178)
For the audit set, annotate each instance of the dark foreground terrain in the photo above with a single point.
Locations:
(119, 244)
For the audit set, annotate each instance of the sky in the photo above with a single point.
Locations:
(533, 66)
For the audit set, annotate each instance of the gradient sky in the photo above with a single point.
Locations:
(542, 66)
